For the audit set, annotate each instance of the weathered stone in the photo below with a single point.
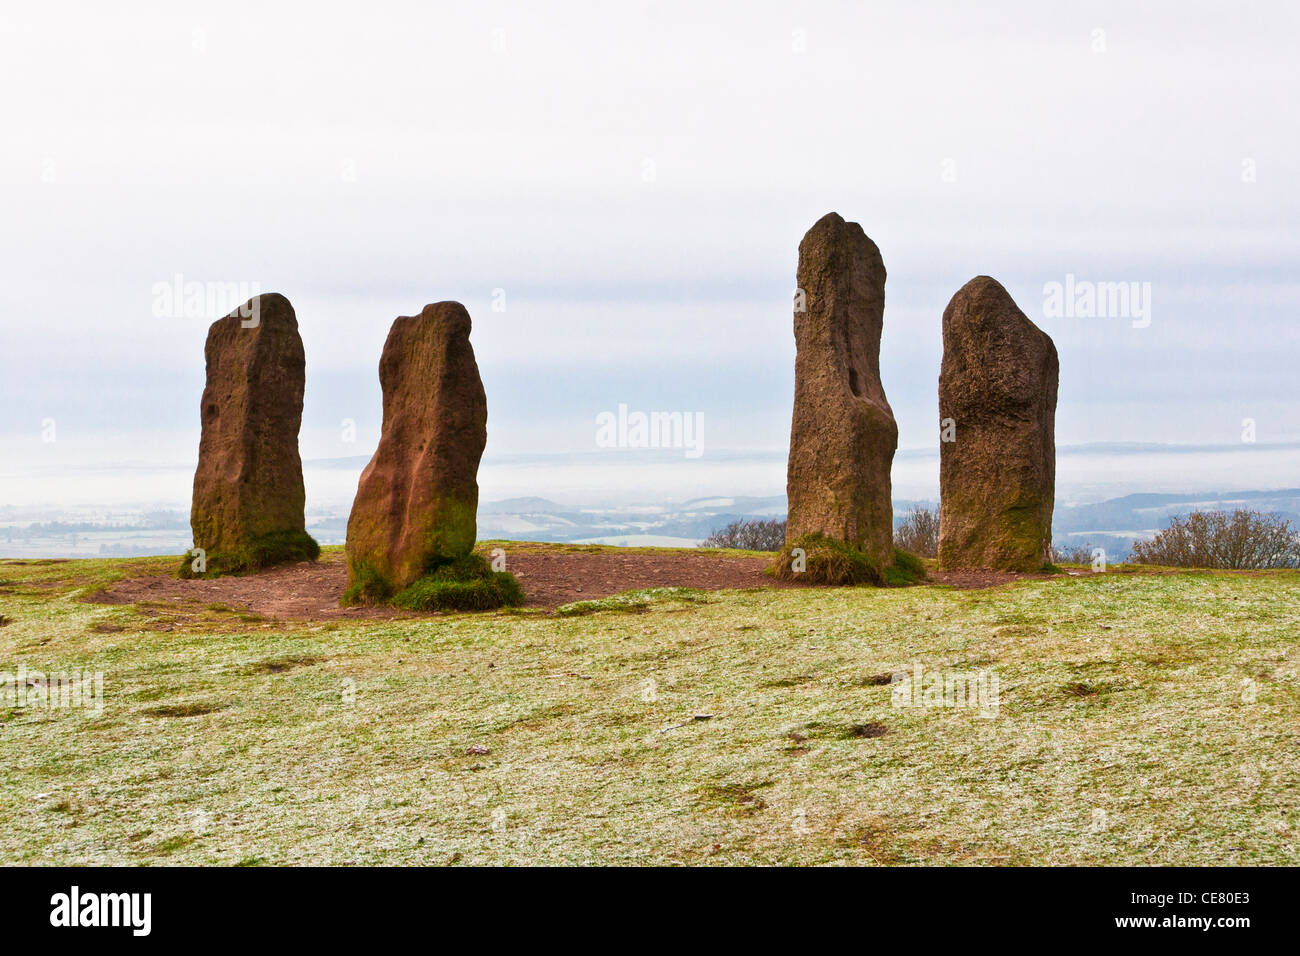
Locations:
(997, 401)
(247, 509)
(843, 435)
(416, 503)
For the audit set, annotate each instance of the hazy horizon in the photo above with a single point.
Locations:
(1085, 474)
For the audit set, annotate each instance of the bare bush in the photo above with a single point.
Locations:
(750, 535)
(1073, 553)
(1215, 539)
(919, 533)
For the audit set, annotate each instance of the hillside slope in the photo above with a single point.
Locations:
(1139, 718)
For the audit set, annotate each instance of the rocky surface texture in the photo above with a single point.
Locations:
(416, 501)
(247, 509)
(997, 396)
(843, 435)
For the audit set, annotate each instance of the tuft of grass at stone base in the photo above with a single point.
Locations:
(827, 561)
(907, 569)
(464, 584)
(262, 551)
(479, 594)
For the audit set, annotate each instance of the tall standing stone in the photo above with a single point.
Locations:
(997, 403)
(247, 509)
(843, 436)
(417, 500)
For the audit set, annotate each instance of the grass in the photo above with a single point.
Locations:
(461, 584)
(1143, 718)
(476, 594)
(633, 602)
(906, 569)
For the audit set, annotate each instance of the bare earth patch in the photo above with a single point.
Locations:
(550, 576)
(975, 579)
(305, 591)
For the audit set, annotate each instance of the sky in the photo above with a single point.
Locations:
(617, 193)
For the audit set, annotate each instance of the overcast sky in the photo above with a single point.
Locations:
(636, 178)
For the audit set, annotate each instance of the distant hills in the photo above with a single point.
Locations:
(511, 506)
(677, 525)
(1116, 523)
(1112, 525)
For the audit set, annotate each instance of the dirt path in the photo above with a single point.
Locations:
(310, 592)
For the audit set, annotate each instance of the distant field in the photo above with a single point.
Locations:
(1140, 718)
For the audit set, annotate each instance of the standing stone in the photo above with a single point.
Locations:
(843, 436)
(247, 509)
(997, 401)
(417, 500)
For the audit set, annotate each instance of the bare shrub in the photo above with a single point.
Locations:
(1215, 539)
(1073, 553)
(750, 535)
(919, 532)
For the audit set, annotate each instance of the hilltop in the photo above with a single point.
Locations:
(1141, 717)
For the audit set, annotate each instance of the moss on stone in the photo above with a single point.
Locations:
(1015, 537)
(258, 552)
(827, 561)
(446, 534)
(367, 585)
(450, 529)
